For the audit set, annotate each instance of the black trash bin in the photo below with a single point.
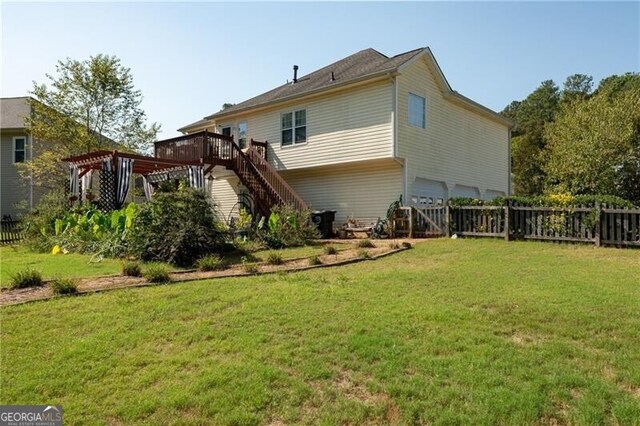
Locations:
(324, 221)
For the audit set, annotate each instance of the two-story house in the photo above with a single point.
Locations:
(17, 195)
(355, 135)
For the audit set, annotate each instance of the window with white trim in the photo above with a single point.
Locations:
(19, 149)
(293, 126)
(417, 111)
(242, 134)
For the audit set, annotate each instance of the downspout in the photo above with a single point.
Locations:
(394, 131)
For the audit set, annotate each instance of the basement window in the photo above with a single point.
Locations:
(416, 111)
(293, 126)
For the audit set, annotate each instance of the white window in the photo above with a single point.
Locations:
(416, 111)
(293, 127)
(242, 134)
(19, 149)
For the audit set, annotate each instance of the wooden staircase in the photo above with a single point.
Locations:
(254, 171)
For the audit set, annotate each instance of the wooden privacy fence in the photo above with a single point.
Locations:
(10, 231)
(599, 225)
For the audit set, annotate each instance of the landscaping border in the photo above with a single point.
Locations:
(133, 282)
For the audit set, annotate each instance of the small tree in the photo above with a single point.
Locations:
(88, 105)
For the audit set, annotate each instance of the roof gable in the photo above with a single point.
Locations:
(368, 62)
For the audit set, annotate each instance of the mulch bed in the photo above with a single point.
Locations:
(97, 284)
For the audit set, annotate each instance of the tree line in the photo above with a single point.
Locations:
(577, 139)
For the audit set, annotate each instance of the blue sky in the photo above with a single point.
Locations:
(190, 58)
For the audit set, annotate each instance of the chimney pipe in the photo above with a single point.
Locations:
(295, 74)
(333, 76)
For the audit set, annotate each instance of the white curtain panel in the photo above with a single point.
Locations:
(74, 186)
(196, 177)
(85, 183)
(148, 188)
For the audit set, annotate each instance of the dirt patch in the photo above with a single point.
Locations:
(96, 284)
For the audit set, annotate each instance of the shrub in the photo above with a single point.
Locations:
(366, 243)
(548, 200)
(363, 254)
(157, 274)
(250, 268)
(274, 258)
(314, 260)
(287, 227)
(39, 225)
(330, 250)
(176, 227)
(406, 244)
(26, 278)
(131, 269)
(211, 263)
(64, 286)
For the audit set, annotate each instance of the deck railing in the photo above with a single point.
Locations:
(277, 182)
(211, 147)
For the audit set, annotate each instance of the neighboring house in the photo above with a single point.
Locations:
(17, 195)
(356, 134)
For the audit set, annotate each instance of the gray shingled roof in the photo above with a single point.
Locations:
(365, 63)
(13, 112)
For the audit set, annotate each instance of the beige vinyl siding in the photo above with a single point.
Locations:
(457, 146)
(361, 190)
(225, 197)
(14, 190)
(354, 125)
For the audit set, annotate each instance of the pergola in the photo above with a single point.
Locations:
(116, 169)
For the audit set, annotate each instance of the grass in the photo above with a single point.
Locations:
(16, 258)
(211, 263)
(157, 273)
(131, 268)
(451, 332)
(64, 286)
(26, 278)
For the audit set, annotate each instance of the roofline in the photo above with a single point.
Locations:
(455, 96)
(195, 125)
(221, 114)
(446, 88)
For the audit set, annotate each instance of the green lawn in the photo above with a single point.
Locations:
(451, 332)
(17, 258)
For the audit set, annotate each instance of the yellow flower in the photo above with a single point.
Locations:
(56, 249)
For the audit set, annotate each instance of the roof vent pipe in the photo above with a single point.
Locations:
(333, 76)
(295, 74)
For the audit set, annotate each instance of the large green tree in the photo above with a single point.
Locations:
(594, 144)
(528, 138)
(85, 106)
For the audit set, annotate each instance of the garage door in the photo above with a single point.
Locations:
(428, 192)
(466, 191)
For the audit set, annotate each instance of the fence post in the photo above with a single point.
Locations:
(410, 221)
(506, 223)
(447, 221)
(598, 223)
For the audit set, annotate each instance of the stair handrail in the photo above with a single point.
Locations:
(271, 175)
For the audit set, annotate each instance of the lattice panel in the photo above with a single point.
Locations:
(107, 190)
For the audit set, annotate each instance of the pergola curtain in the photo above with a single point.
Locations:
(124, 168)
(196, 176)
(74, 185)
(148, 188)
(85, 183)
